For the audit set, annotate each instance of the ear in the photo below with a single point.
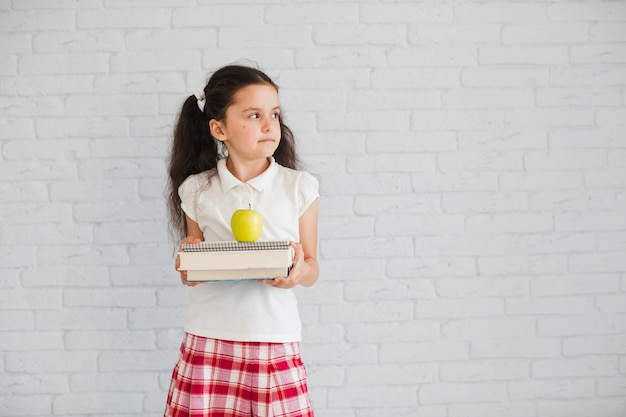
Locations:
(217, 130)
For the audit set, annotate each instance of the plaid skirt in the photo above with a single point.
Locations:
(219, 378)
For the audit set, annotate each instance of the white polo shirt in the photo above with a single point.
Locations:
(246, 310)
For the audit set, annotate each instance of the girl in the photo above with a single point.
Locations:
(240, 353)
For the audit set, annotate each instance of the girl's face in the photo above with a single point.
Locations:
(251, 128)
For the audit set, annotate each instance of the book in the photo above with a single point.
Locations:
(219, 261)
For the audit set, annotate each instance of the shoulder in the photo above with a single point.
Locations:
(297, 177)
(196, 182)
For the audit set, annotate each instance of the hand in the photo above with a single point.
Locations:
(294, 274)
(183, 274)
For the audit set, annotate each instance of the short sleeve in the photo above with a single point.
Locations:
(308, 188)
(188, 193)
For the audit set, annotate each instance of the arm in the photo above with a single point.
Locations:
(305, 269)
(194, 235)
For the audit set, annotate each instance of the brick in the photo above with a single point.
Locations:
(431, 267)
(484, 202)
(585, 366)
(454, 308)
(577, 76)
(347, 227)
(411, 141)
(282, 36)
(441, 56)
(508, 223)
(581, 11)
(455, 33)
(372, 397)
(577, 97)
(31, 341)
(580, 326)
(364, 34)
(362, 121)
(549, 33)
(45, 84)
(582, 407)
(73, 404)
(312, 13)
(402, 78)
(451, 393)
(395, 332)
(574, 284)
(176, 60)
(485, 370)
(126, 297)
(612, 303)
(487, 98)
(594, 54)
(367, 311)
(51, 362)
(558, 389)
(523, 264)
(399, 204)
(372, 375)
(454, 181)
(508, 139)
(37, 20)
(517, 348)
(608, 137)
(341, 57)
(120, 18)
(561, 305)
(78, 41)
(541, 180)
(499, 12)
(521, 54)
(81, 319)
(480, 161)
(479, 286)
(113, 382)
(13, 43)
(512, 76)
(483, 328)
(381, 100)
(64, 63)
(474, 119)
(606, 31)
(385, 290)
(26, 405)
(406, 12)
(406, 224)
(217, 15)
(423, 352)
(503, 409)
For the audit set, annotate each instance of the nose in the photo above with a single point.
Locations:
(267, 126)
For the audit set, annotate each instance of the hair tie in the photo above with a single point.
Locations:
(201, 99)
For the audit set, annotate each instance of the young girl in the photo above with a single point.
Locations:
(231, 150)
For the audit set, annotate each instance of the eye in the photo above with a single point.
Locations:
(254, 116)
(276, 115)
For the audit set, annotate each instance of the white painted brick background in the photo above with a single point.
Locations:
(472, 160)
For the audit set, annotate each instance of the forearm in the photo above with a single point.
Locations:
(310, 272)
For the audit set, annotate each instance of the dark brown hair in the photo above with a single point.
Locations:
(195, 150)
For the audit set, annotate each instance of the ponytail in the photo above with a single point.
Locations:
(193, 150)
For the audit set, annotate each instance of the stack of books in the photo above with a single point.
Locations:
(226, 261)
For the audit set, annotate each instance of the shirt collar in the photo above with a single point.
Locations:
(259, 183)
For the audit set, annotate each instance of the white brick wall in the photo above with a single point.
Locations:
(472, 159)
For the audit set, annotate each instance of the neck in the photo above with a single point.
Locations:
(246, 170)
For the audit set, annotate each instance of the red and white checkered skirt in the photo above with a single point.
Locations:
(220, 378)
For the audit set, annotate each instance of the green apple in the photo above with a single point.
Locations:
(247, 225)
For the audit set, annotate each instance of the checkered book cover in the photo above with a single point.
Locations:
(228, 246)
